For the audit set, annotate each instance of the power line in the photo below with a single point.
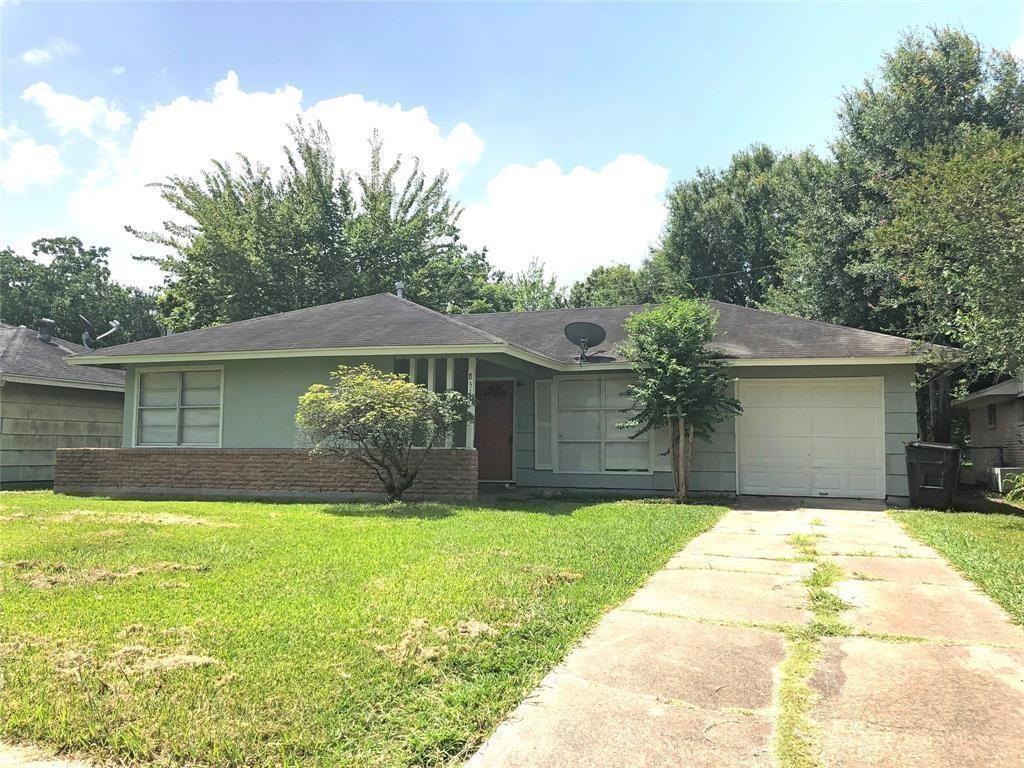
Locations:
(735, 272)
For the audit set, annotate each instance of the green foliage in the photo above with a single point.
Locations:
(615, 285)
(930, 86)
(252, 246)
(794, 233)
(532, 290)
(678, 372)
(723, 232)
(382, 420)
(75, 280)
(1016, 492)
(955, 246)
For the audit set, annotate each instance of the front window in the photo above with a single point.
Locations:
(992, 416)
(179, 408)
(587, 440)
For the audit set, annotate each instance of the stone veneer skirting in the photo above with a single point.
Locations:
(446, 475)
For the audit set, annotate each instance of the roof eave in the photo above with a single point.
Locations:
(50, 382)
(997, 393)
(461, 350)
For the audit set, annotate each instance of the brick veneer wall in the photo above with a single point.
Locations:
(1008, 433)
(446, 474)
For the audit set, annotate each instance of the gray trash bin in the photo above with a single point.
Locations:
(933, 470)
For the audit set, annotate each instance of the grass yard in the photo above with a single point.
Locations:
(232, 633)
(988, 548)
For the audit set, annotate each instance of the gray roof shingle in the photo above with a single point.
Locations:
(381, 320)
(22, 353)
(743, 333)
(384, 320)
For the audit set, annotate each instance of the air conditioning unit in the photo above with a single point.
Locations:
(1002, 477)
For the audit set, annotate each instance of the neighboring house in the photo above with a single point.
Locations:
(996, 422)
(47, 404)
(827, 409)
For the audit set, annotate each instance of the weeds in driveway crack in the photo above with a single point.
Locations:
(796, 736)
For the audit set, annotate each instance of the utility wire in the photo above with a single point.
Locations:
(735, 272)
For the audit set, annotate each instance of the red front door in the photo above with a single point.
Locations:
(494, 429)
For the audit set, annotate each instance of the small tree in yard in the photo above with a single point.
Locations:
(381, 420)
(681, 382)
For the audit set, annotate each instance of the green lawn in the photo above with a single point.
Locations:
(988, 548)
(239, 633)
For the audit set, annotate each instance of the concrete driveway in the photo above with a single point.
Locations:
(688, 671)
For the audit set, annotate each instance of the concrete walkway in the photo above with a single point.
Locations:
(687, 672)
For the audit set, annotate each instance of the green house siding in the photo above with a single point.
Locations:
(260, 399)
(714, 462)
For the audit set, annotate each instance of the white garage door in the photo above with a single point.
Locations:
(812, 437)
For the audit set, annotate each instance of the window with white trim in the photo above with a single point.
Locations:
(179, 408)
(575, 420)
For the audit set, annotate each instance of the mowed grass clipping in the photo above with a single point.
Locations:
(988, 548)
(232, 633)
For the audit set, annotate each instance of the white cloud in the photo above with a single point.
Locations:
(118, 70)
(570, 221)
(57, 48)
(1017, 48)
(25, 163)
(70, 114)
(182, 137)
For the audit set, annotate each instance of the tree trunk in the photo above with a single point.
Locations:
(677, 429)
(942, 417)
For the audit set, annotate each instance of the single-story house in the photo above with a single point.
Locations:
(996, 423)
(827, 409)
(47, 404)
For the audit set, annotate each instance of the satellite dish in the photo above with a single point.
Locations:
(89, 338)
(584, 335)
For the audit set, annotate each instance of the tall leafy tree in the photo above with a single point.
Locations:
(64, 279)
(247, 245)
(726, 229)
(930, 88)
(533, 289)
(614, 285)
(955, 246)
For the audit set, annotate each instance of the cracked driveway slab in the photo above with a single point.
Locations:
(686, 672)
(570, 722)
(724, 596)
(953, 612)
(919, 704)
(701, 665)
(906, 570)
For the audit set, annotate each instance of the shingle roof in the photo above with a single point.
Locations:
(23, 354)
(384, 320)
(381, 320)
(743, 333)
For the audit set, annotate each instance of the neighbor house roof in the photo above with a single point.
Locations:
(386, 323)
(26, 358)
(1004, 390)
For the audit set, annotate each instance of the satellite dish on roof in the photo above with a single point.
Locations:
(584, 335)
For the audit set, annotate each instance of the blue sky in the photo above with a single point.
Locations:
(561, 124)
